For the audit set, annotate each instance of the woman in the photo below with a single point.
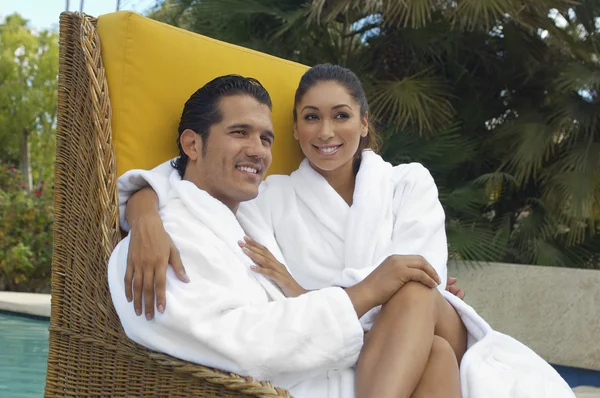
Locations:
(340, 215)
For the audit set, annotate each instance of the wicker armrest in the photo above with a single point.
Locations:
(89, 353)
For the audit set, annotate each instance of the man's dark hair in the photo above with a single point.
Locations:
(201, 110)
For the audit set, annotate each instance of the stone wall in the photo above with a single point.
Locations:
(555, 311)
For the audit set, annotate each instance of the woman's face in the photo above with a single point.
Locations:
(329, 126)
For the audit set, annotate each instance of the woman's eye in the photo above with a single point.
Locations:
(342, 116)
(310, 117)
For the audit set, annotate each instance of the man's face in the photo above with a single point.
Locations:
(238, 151)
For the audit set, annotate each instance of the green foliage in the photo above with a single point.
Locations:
(28, 87)
(498, 98)
(25, 234)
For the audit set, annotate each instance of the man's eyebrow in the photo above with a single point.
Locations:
(243, 126)
(246, 126)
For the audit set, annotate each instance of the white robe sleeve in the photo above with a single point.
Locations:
(223, 319)
(137, 179)
(419, 224)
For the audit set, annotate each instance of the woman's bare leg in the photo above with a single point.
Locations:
(441, 377)
(397, 348)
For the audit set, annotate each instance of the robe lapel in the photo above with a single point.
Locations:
(222, 221)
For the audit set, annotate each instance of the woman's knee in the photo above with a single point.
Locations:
(415, 294)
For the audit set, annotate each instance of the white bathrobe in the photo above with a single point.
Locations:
(233, 319)
(395, 210)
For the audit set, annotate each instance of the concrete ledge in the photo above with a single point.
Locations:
(587, 392)
(26, 303)
(555, 311)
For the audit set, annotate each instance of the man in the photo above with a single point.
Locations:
(227, 316)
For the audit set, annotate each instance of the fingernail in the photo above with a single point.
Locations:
(138, 312)
(245, 250)
(241, 243)
(161, 308)
(186, 278)
(253, 267)
(148, 316)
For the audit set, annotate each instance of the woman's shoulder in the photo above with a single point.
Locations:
(411, 172)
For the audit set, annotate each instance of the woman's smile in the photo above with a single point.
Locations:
(327, 150)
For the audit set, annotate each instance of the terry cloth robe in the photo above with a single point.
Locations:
(231, 318)
(395, 210)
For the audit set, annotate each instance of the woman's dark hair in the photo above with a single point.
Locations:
(201, 110)
(348, 79)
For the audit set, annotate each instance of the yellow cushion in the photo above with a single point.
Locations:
(153, 68)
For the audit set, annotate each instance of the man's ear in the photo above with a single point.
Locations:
(191, 144)
(365, 125)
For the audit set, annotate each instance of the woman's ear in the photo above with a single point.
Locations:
(365, 125)
(296, 131)
(189, 141)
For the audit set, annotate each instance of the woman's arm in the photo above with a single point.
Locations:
(141, 193)
(419, 226)
(151, 251)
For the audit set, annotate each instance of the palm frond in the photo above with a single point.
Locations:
(408, 13)
(482, 14)
(467, 200)
(529, 142)
(438, 152)
(474, 241)
(421, 100)
(576, 76)
(496, 183)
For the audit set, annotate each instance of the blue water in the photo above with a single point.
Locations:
(23, 355)
(24, 352)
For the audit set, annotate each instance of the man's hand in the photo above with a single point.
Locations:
(151, 250)
(455, 290)
(271, 268)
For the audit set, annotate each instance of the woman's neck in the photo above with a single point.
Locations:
(342, 180)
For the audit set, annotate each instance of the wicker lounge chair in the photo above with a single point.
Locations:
(89, 353)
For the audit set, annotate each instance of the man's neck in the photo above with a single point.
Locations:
(231, 204)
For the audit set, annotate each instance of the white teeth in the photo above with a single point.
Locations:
(328, 150)
(248, 169)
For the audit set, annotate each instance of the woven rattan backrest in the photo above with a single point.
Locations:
(89, 353)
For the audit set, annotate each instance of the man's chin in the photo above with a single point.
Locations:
(248, 194)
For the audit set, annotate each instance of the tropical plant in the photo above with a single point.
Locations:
(25, 234)
(28, 87)
(498, 98)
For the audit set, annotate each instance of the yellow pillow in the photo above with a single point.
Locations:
(153, 68)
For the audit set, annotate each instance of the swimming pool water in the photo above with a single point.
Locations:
(24, 352)
(23, 355)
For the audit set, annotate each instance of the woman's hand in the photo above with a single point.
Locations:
(389, 277)
(455, 290)
(151, 250)
(268, 266)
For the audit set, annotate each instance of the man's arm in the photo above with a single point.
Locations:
(223, 319)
